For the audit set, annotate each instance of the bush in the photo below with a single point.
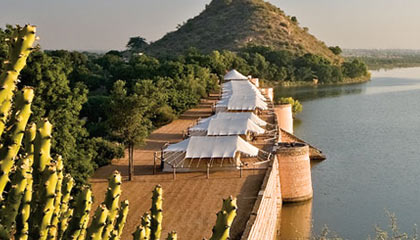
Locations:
(296, 105)
(105, 151)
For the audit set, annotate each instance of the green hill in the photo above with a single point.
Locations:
(232, 24)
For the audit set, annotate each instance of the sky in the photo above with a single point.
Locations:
(108, 24)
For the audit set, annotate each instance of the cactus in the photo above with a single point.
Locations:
(13, 141)
(53, 228)
(224, 220)
(112, 201)
(17, 191)
(95, 229)
(20, 48)
(22, 225)
(42, 147)
(65, 212)
(120, 222)
(146, 222)
(172, 236)
(156, 212)
(140, 233)
(78, 223)
(45, 209)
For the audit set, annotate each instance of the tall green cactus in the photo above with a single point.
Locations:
(19, 182)
(42, 146)
(95, 229)
(140, 234)
(225, 217)
(146, 222)
(80, 219)
(45, 208)
(112, 201)
(12, 142)
(22, 225)
(21, 44)
(65, 211)
(53, 228)
(156, 212)
(120, 222)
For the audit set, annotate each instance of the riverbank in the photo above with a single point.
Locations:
(346, 81)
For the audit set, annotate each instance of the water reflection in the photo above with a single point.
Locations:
(312, 93)
(296, 221)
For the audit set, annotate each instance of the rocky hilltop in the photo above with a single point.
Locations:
(232, 24)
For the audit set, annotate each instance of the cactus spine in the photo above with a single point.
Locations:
(98, 223)
(112, 201)
(225, 217)
(20, 48)
(53, 228)
(120, 222)
(172, 236)
(77, 226)
(156, 212)
(13, 142)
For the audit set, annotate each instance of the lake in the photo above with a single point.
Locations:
(370, 134)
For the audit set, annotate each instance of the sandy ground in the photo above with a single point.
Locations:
(191, 201)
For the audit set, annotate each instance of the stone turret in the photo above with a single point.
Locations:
(284, 117)
(295, 172)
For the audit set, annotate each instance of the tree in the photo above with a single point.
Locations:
(137, 44)
(336, 50)
(126, 120)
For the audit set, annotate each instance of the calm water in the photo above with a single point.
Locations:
(371, 135)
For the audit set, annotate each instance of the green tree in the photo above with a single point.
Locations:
(336, 50)
(61, 104)
(126, 121)
(137, 44)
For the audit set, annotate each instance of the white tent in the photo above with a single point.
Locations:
(201, 129)
(213, 147)
(234, 75)
(245, 103)
(229, 127)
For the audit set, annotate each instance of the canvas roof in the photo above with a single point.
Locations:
(203, 125)
(234, 75)
(228, 127)
(213, 147)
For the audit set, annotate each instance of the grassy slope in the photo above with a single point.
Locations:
(231, 24)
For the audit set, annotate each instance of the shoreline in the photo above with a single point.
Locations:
(346, 81)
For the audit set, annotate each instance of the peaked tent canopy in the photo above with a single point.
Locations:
(213, 147)
(229, 127)
(234, 75)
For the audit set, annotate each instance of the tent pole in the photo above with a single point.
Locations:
(174, 172)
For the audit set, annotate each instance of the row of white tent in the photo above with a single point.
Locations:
(218, 137)
(239, 94)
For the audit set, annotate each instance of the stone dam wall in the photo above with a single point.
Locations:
(262, 223)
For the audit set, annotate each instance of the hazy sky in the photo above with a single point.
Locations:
(108, 24)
